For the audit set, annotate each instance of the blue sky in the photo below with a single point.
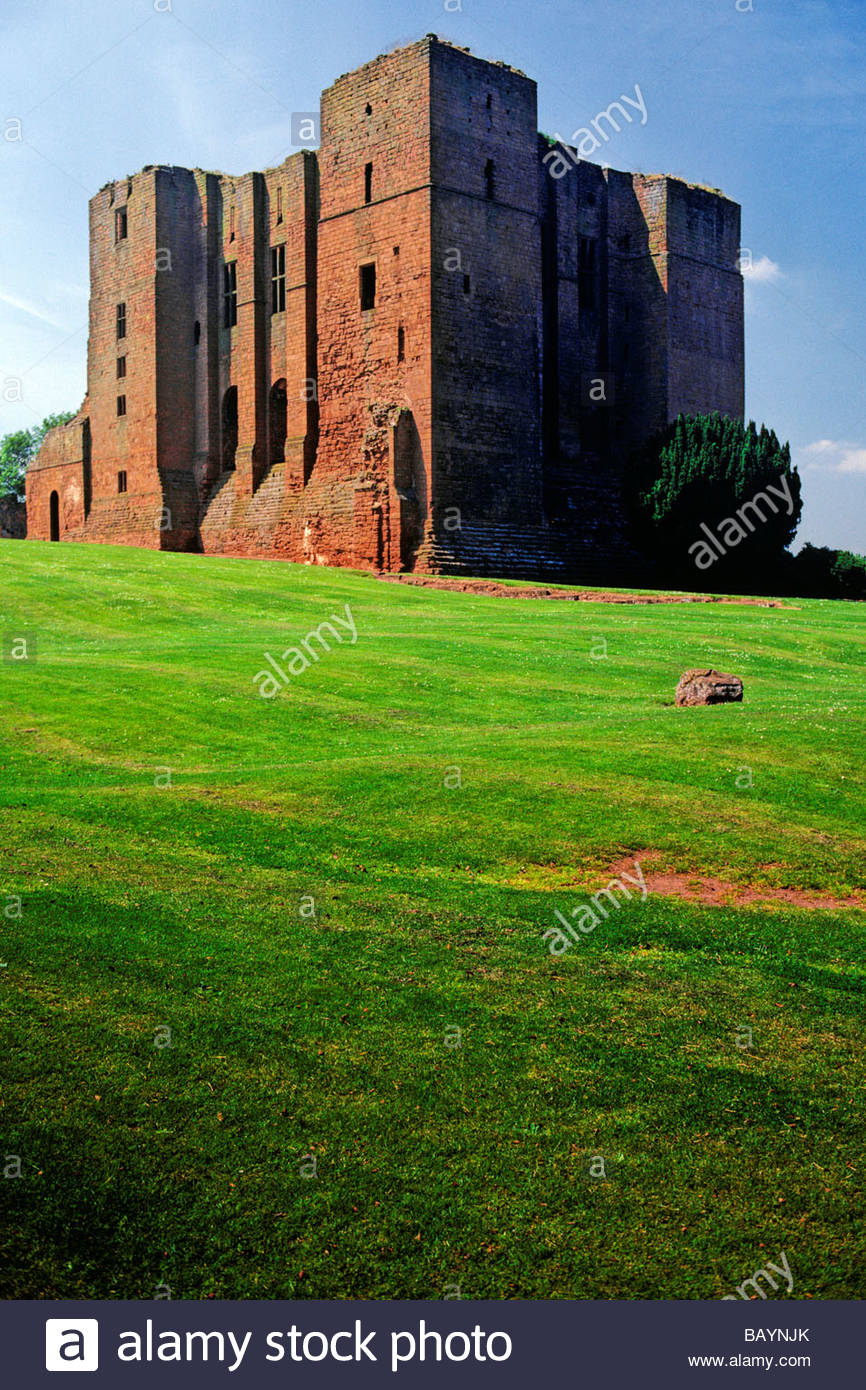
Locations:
(762, 98)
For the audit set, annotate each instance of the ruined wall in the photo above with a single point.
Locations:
(13, 519)
(374, 362)
(644, 279)
(179, 268)
(458, 356)
(487, 300)
(705, 293)
(121, 362)
(60, 470)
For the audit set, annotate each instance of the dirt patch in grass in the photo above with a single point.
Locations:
(718, 892)
(495, 589)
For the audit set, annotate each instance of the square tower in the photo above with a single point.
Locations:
(429, 316)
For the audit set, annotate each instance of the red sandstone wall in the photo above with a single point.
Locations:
(124, 272)
(292, 333)
(256, 509)
(705, 293)
(487, 331)
(362, 384)
(638, 275)
(61, 468)
(480, 411)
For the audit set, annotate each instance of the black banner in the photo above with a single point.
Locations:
(500, 1345)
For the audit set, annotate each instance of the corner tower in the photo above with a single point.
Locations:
(369, 496)
(429, 330)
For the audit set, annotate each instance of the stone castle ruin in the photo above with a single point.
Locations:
(415, 348)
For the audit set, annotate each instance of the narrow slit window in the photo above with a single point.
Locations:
(401, 344)
(368, 287)
(489, 179)
(279, 205)
(232, 224)
(368, 183)
(121, 481)
(467, 284)
(121, 405)
(121, 320)
(586, 273)
(196, 333)
(121, 225)
(121, 367)
(230, 294)
(278, 279)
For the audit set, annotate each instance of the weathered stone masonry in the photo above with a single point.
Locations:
(387, 353)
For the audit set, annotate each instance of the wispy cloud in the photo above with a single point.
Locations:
(25, 307)
(834, 456)
(761, 270)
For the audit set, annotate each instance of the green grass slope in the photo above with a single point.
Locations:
(380, 1083)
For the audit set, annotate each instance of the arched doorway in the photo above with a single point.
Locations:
(54, 516)
(277, 420)
(410, 484)
(229, 429)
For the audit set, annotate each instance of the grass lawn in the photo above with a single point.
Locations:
(380, 1083)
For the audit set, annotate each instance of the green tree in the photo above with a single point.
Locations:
(819, 572)
(696, 514)
(17, 450)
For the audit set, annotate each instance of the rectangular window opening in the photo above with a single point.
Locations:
(121, 405)
(121, 367)
(279, 205)
(230, 294)
(120, 225)
(489, 179)
(401, 344)
(467, 284)
(368, 287)
(278, 279)
(121, 320)
(368, 183)
(121, 481)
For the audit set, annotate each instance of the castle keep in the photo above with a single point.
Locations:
(414, 348)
